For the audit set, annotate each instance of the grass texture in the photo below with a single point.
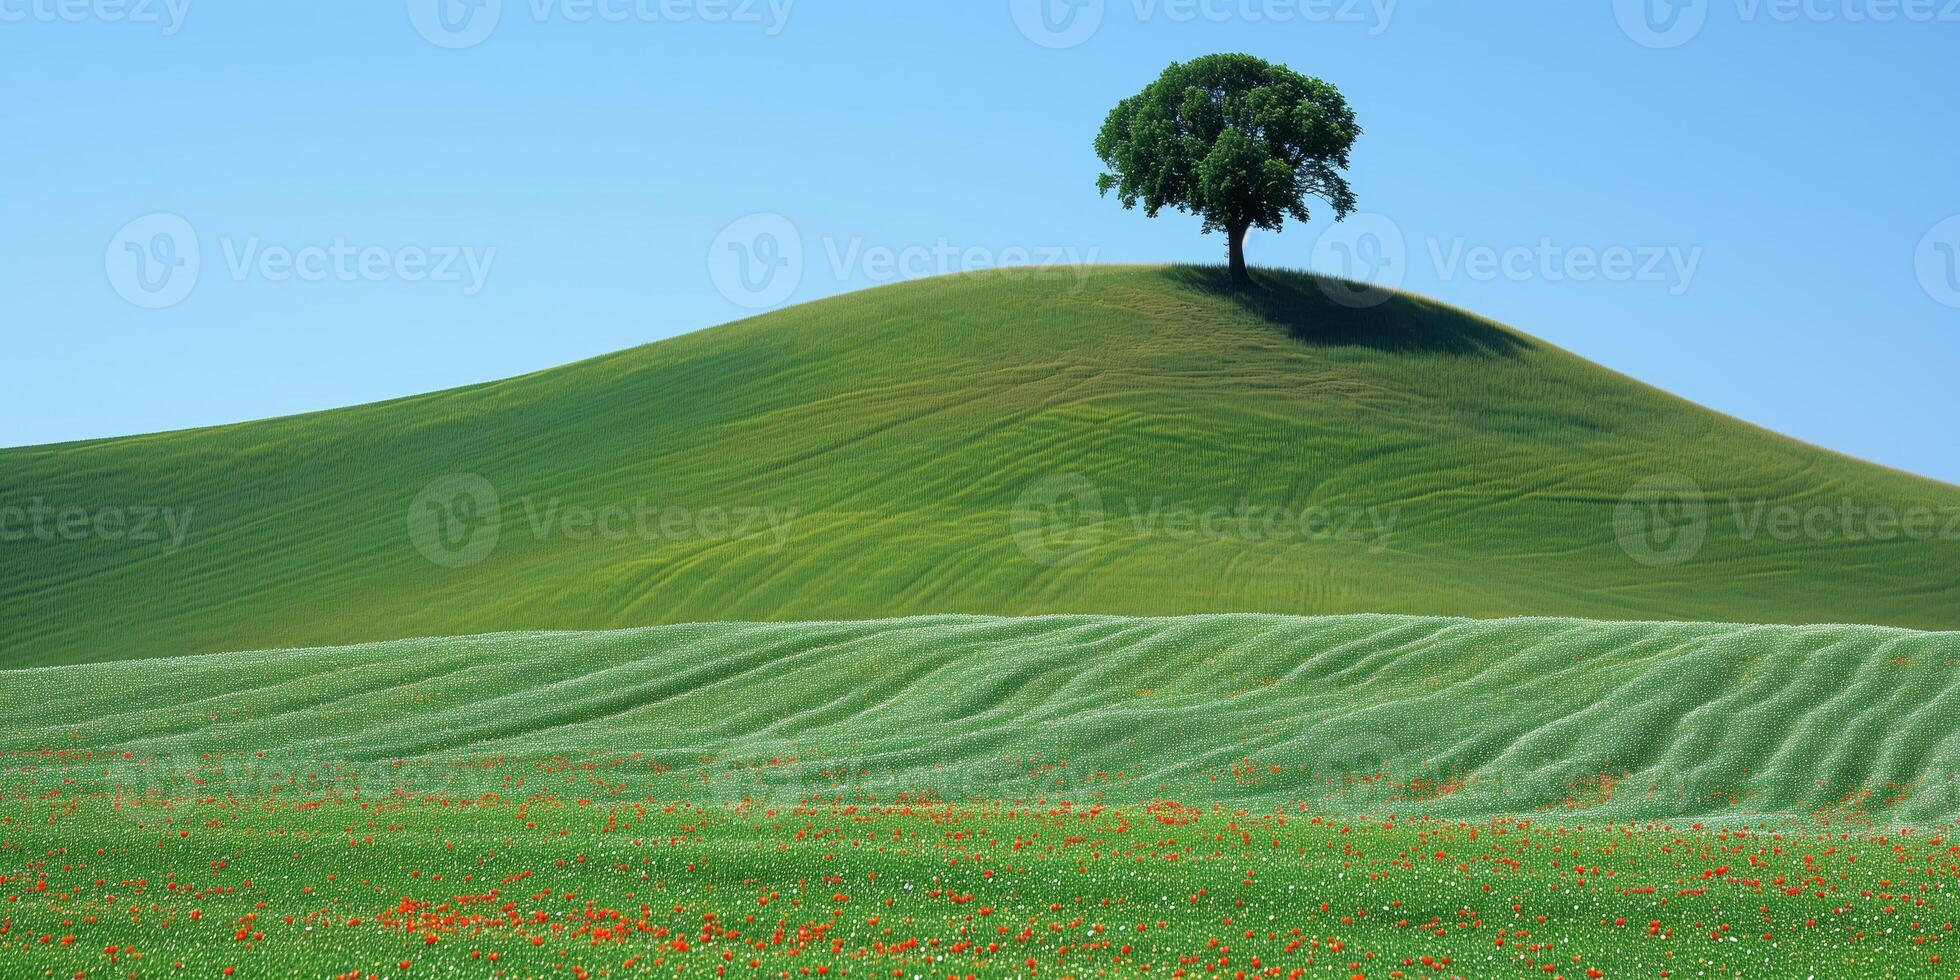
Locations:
(1367, 796)
(1353, 714)
(1123, 441)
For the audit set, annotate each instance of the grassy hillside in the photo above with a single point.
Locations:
(989, 444)
(1365, 714)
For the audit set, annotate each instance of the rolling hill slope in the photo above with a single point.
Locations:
(1366, 713)
(1140, 441)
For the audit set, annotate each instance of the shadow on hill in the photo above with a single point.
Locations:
(1328, 311)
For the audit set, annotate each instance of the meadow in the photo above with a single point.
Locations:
(586, 871)
(955, 796)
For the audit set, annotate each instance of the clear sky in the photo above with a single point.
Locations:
(1746, 202)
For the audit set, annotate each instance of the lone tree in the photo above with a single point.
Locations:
(1237, 140)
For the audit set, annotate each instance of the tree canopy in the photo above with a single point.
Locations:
(1236, 140)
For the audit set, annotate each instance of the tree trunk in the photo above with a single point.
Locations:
(1237, 246)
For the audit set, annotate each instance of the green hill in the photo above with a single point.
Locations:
(991, 444)
(1370, 714)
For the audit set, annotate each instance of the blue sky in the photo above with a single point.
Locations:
(1750, 203)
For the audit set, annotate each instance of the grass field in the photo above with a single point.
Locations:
(1363, 796)
(580, 874)
(1358, 715)
(1125, 441)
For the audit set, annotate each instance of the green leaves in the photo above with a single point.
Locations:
(1242, 182)
(1236, 140)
